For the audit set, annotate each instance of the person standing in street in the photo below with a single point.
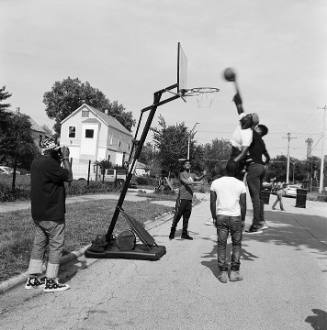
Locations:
(279, 196)
(48, 213)
(228, 209)
(184, 200)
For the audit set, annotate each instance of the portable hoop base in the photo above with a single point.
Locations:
(140, 252)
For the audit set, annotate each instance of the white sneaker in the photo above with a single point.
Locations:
(52, 285)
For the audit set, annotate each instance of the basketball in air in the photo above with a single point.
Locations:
(229, 74)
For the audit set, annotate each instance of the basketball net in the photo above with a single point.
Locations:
(204, 96)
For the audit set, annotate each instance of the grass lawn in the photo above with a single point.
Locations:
(83, 222)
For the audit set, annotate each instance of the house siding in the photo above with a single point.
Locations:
(107, 142)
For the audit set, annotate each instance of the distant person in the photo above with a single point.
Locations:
(48, 213)
(242, 136)
(257, 160)
(228, 209)
(184, 200)
(279, 189)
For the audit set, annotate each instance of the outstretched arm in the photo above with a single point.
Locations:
(239, 103)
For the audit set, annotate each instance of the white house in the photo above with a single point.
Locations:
(92, 135)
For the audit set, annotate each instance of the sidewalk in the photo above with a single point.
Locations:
(24, 205)
(284, 286)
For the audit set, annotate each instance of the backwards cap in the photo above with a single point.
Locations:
(48, 144)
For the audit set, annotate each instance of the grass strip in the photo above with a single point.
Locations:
(83, 222)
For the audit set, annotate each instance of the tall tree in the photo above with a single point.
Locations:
(4, 116)
(171, 142)
(17, 146)
(66, 96)
(216, 152)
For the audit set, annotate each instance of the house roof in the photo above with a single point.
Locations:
(106, 119)
(140, 165)
(36, 127)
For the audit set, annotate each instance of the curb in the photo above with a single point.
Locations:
(21, 278)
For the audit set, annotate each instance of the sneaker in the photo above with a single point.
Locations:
(254, 231)
(264, 226)
(35, 283)
(222, 277)
(235, 276)
(52, 285)
(187, 236)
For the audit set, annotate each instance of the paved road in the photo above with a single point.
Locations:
(284, 287)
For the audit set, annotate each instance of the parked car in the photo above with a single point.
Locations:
(290, 190)
(7, 170)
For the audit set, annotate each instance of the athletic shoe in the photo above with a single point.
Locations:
(223, 277)
(52, 285)
(187, 236)
(235, 276)
(254, 231)
(264, 226)
(35, 283)
(172, 234)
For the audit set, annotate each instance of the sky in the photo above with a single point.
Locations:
(128, 50)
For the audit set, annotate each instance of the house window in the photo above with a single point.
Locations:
(85, 113)
(72, 131)
(89, 133)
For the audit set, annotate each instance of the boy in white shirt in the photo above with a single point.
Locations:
(228, 208)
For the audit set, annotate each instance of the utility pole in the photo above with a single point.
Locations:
(322, 164)
(309, 143)
(189, 140)
(288, 156)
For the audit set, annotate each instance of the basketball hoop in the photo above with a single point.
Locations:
(204, 95)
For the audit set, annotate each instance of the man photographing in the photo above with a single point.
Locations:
(48, 175)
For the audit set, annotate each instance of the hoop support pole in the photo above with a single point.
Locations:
(156, 102)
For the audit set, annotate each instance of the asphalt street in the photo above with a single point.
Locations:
(284, 286)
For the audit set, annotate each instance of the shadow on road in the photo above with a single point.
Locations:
(318, 321)
(295, 230)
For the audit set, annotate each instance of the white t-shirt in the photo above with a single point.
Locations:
(228, 190)
(241, 137)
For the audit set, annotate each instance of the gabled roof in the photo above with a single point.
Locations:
(140, 165)
(106, 119)
(36, 127)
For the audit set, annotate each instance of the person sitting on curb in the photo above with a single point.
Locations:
(228, 209)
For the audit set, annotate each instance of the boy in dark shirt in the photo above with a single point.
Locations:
(48, 213)
(258, 157)
(184, 201)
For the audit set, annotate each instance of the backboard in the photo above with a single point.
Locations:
(181, 69)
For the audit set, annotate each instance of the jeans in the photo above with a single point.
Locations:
(234, 226)
(184, 208)
(47, 234)
(255, 175)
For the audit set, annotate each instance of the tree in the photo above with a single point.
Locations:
(4, 116)
(17, 146)
(103, 164)
(216, 152)
(66, 96)
(171, 142)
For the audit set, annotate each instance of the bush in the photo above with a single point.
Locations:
(145, 180)
(76, 187)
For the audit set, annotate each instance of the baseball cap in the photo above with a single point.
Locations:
(48, 143)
